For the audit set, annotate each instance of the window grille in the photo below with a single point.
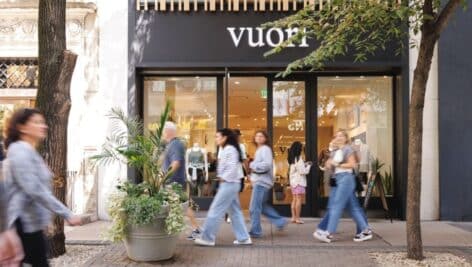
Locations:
(18, 73)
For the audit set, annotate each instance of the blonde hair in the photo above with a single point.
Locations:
(346, 135)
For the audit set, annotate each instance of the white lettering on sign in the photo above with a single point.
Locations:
(296, 125)
(259, 37)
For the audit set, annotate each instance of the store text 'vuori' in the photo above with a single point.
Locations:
(260, 37)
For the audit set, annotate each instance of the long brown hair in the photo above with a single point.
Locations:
(266, 136)
(19, 117)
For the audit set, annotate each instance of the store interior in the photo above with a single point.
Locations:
(360, 105)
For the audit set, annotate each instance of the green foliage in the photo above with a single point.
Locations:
(361, 27)
(388, 182)
(376, 165)
(139, 204)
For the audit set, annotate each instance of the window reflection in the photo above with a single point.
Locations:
(363, 107)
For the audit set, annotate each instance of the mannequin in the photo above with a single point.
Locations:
(197, 167)
(364, 159)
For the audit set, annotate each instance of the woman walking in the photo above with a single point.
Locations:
(261, 169)
(298, 169)
(227, 196)
(342, 193)
(28, 185)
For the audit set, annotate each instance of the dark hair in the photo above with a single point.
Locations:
(232, 140)
(265, 134)
(294, 152)
(237, 132)
(19, 117)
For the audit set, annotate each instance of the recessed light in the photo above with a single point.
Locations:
(295, 82)
(385, 76)
(362, 77)
(337, 77)
(237, 82)
(197, 77)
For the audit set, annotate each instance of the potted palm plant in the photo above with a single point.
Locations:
(146, 216)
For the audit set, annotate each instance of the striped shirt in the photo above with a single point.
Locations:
(229, 166)
(27, 186)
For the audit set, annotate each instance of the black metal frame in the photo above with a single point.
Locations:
(314, 203)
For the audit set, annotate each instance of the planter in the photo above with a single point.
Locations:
(151, 242)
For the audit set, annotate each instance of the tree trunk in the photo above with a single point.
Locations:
(415, 135)
(56, 66)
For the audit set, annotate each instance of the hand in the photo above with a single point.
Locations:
(74, 220)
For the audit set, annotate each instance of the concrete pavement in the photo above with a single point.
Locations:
(293, 247)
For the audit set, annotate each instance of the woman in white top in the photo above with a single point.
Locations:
(297, 173)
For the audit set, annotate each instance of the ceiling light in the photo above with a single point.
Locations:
(197, 77)
(362, 77)
(237, 82)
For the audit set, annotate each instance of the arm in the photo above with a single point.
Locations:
(263, 162)
(350, 164)
(301, 168)
(27, 179)
(187, 163)
(205, 159)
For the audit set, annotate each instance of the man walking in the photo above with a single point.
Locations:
(174, 160)
(174, 155)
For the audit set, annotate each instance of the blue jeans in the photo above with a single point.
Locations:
(259, 205)
(340, 198)
(226, 201)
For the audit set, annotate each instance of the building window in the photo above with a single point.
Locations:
(193, 109)
(362, 106)
(18, 73)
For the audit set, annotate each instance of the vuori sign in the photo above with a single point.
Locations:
(260, 37)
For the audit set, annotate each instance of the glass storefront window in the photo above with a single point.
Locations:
(193, 109)
(288, 126)
(363, 106)
(247, 109)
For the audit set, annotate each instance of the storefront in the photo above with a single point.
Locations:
(210, 66)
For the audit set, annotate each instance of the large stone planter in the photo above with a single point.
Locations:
(151, 242)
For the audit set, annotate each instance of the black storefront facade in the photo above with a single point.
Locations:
(211, 66)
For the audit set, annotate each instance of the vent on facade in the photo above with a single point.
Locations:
(18, 73)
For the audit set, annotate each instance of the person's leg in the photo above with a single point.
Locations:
(237, 219)
(357, 214)
(191, 217)
(269, 211)
(255, 210)
(34, 246)
(345, 187)
(323, 225)
(292, 207)
(299, 207)
(220, 204)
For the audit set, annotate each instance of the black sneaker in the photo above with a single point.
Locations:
(363, 236)
(195, 233)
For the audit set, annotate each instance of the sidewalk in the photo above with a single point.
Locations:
(293, 247)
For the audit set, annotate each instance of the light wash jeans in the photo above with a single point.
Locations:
(226, 201)
(259, 205)
(344, 197)
(323, 225)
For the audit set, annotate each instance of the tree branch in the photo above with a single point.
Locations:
(445, 15)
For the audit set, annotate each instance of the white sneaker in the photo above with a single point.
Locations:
(322, 236)
(245, 242)
(202, 242)
(363, 236)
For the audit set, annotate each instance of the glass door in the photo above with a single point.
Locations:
(288, 126)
